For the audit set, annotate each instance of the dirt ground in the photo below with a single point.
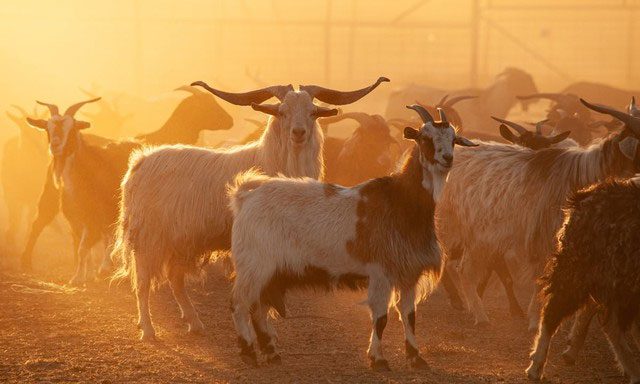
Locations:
(51, 333)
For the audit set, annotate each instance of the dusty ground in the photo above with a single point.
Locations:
(49, 333)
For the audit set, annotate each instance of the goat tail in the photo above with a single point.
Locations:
(243, 184)
(122, 255)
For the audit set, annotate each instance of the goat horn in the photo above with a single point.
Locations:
(630, 121)
(247, 98)
(521, 130)
(71, 111)
(632, 109)
(53, 109)
(257, 123)
(442, 116)
(21, 110)
(443, 100)
(190, 89)
(336, 97)
(539, 125)
(424, 114)
(453, 101)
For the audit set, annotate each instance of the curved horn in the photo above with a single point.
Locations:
(335, 97)
(442, 116)
(630, 121)
(187, 88)
(53, 109)
(247, 98)
(521, 130)
(71, 111)
(453, 101)
(20, 109)
(424, 114)
(541, 124)
(257, 123)
(443, 100)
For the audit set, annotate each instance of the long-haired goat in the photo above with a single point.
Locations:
(290, 233)
(514, 203)
(89, 176)
(598, 258)
(174, 207)
(521, 136)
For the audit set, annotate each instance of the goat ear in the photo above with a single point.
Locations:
(629, 147)
(559, 137)
(79, 124)
(411, 134)
(37, 123)
(459, 140)
(507, 134)
(325, 112)
(269, 109)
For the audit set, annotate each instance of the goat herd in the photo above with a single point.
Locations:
(297, 209)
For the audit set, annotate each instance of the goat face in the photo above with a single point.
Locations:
(518, 82)
(370, 140)
(435, 140)
(297, 115)
(62, 130)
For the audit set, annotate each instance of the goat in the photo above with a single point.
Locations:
(600, 93)
(495, 100)
(88, 176)
(174, 206)
(24, 160)
(348, 162)
(525, 138)
(290, 233)
(477, 218)
(196, 113)
(598, 258)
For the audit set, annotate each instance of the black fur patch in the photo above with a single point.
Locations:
(381, 323)
(312, 278)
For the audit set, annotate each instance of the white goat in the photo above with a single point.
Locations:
(289, 233)
(505, 199)
(174, 208)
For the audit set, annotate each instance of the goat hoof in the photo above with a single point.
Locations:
(274, 359)
(380, 365)
(249, 359)
(418, 362)
(534, 372)
(568, 357)
(196, 328)
(148, 336)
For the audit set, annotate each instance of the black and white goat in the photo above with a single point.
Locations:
(174, 208)
(290, 233)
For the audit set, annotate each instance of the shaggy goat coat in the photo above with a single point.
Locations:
(502, 198)
(598, 258)
(174, 207)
